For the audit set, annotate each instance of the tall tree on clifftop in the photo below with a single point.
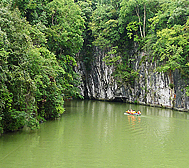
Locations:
(64, 34)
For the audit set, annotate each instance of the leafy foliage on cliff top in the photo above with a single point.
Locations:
(40, 42)
(37, 55)
(157, 28)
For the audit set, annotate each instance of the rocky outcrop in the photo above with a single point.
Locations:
(151, 88)
(98, 83)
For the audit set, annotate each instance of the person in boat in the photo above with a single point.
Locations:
(132, 111)
(139, 112)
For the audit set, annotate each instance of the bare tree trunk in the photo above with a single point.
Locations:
(144, 25)
(52, 19)
(137, 12)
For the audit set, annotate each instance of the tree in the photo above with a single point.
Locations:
(168, 44)
(31, 69)
(15, 43)
(65, 28)
(104, 26)
(86, 52)
(136, 14)
(65, 39)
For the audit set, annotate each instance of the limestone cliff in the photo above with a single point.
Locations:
(151, 88)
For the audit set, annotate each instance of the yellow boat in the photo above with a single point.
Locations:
(133, 112)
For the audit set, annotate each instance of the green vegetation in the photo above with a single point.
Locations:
(159, 29)
(41, 42)
(37, 54)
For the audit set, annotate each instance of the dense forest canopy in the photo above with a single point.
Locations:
(40, 42)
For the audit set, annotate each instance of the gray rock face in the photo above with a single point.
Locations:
(151, 88)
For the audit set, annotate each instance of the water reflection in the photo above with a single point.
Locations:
(133, 119)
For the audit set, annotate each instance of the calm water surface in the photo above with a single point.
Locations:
(95, 134)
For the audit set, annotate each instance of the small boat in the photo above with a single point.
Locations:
(131, 112)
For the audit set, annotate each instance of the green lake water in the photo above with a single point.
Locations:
(97, 134)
